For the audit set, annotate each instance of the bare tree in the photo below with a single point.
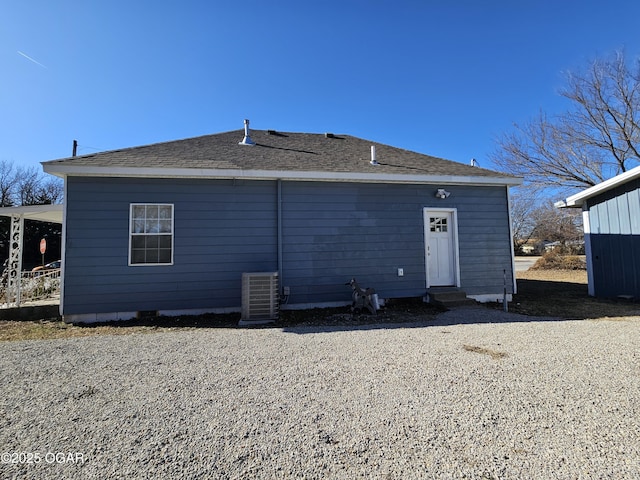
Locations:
(599, 137)
(523, 204)
(27, 186)
(7, 183)
(556, 225)
(50, 190)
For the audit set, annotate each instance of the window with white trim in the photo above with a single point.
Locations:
(151, 234)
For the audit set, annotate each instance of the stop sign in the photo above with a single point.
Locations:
(43, 246)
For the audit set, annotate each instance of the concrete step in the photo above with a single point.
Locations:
(449, 297)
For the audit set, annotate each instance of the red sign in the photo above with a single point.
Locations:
(43, 246)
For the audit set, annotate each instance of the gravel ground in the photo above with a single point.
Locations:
(474, 394)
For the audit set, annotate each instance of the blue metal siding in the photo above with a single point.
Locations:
(221, 229)
(331, 232)
(633, 198)
(613, 215)
(623, 214)
(594, 219)
(614, 218)
(616, 265)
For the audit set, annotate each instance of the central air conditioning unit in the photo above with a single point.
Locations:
(260, 298)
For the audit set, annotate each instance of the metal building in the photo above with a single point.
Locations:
(611, 217)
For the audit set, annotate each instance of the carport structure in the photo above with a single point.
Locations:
(17, 215)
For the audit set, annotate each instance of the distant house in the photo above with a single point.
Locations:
(171, 227)
(576, 247)
(533, 246)
(611, 218)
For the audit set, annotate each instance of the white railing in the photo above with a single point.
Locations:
(34, 286)
(40, 285)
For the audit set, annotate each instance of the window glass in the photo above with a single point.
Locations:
(438, 224)
(151, 236)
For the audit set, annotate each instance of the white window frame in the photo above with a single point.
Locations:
(132, 234)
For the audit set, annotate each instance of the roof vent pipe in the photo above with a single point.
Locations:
(373, 156)
(247, 139)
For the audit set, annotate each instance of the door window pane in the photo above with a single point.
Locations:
(438, 224)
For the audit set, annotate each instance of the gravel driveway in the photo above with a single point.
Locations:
(475, 394)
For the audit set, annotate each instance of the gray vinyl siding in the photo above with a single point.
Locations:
(331, 232)
(221, 229)
(614, 238)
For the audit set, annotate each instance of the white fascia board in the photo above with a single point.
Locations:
(578, 199)
(62, 171)
(44, 213)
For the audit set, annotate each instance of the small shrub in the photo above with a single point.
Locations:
(554, 260)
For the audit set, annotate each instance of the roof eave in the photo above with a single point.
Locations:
(578, 199)
(88, 171)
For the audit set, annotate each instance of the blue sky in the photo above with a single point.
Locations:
(439, 77)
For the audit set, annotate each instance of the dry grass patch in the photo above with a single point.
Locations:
(46, 329)
(568, 276)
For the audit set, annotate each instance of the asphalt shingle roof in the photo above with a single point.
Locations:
(274, 151)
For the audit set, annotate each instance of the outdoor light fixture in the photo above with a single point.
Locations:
(442, 193)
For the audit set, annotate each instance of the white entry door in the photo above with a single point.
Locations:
(441, 254)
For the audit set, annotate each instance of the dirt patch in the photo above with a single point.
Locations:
(395, 311)
(564, 293)
(496, 355)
